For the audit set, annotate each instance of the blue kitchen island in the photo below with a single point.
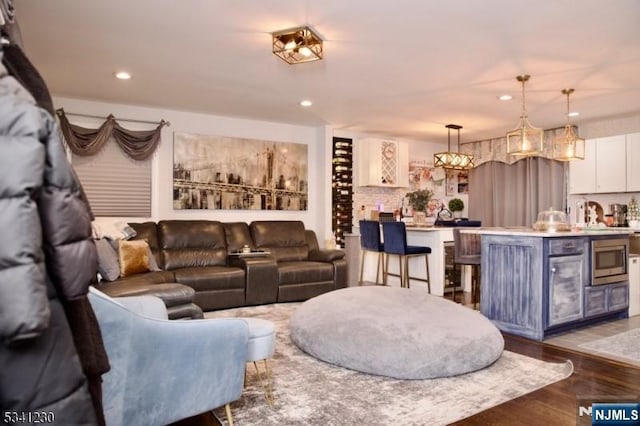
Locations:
(534, 284)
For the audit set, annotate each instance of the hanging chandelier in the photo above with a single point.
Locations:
(525, 139)
(568, 146)
(453, 160)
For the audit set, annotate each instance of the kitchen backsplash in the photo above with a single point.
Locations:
(605, 200)
(422, 175)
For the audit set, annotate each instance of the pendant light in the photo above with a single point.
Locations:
(568, 146)
(525, 139)
(453, 160)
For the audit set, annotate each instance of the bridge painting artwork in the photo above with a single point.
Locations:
(220, 172)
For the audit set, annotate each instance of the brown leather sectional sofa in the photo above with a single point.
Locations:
(199, 270)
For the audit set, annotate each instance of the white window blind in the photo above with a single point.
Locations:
(115, 184)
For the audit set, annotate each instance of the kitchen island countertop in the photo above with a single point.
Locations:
(528, 232)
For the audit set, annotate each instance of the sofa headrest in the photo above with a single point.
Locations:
(149, 231)
(285, 239)
(188, 243)
(237, 235)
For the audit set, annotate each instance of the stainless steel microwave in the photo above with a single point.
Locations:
(609, 261)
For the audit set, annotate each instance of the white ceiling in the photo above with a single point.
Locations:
(402, 68)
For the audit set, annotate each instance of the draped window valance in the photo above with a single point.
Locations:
(496, 149)
(137, 144)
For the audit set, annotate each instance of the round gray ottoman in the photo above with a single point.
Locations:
(395, 332)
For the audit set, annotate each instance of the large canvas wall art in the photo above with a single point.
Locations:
(220, 172)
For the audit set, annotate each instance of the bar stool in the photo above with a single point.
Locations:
(370, 242)
(395, 244)
(467, 252)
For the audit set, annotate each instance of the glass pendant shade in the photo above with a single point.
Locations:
(568, 146)
(525, 139)
(453, 160)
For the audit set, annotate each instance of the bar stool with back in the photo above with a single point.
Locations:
(467, 252)
(370, 242)
(395, 244)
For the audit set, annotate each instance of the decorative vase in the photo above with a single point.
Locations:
(419, 217)
(457, 214)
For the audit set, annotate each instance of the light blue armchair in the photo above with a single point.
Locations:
(163, 371)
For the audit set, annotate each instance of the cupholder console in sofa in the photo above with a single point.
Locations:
(199, 254)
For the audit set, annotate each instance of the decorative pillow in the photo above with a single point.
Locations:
(108, 265)
(133, 257)
(112, 230)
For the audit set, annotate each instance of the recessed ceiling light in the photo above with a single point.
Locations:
(505, 97)
(122, 75)
(573, 114)
(306, 103)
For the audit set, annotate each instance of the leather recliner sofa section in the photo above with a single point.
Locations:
(199, 254)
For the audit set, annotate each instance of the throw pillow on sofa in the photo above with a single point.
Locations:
(133, 256)
(109, 262)
(108, 265)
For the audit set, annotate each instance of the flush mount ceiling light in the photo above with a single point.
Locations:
(122, 75)
(297, 45)
(453, 160)
(525, 139)
(568, 146)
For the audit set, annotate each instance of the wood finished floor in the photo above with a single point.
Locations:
(556, 404)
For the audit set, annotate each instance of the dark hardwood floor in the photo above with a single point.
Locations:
(557, 404)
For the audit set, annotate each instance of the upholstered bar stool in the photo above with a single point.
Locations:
(395, 244)
(467, 252)
(261, 346)
(370, 242)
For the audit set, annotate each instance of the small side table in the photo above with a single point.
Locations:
(352, 253)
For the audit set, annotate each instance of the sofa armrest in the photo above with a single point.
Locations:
(261, 278)
(148, 306)
(325, 255)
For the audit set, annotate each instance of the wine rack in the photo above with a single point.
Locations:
(342, 188)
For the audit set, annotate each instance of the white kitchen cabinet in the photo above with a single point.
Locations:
(606, 166)
(582, 173)
(382, 162)
(633, 162)
(611, 175)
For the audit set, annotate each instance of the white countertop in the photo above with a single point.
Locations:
(428, 228)
(531, 233)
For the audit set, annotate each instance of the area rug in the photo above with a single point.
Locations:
(623, 345)
(311, 392)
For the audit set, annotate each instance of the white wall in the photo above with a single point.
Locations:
(316, 217)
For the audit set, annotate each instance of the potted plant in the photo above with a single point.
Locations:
(419, 200)
(456, 206)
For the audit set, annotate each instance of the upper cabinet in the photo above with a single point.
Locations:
(607, 167)
(382, 162)
(611, 175)
(582, 173)
(633, 162)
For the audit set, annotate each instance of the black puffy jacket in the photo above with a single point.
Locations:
(47, 262)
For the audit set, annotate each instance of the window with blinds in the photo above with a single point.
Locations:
(115, 184)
